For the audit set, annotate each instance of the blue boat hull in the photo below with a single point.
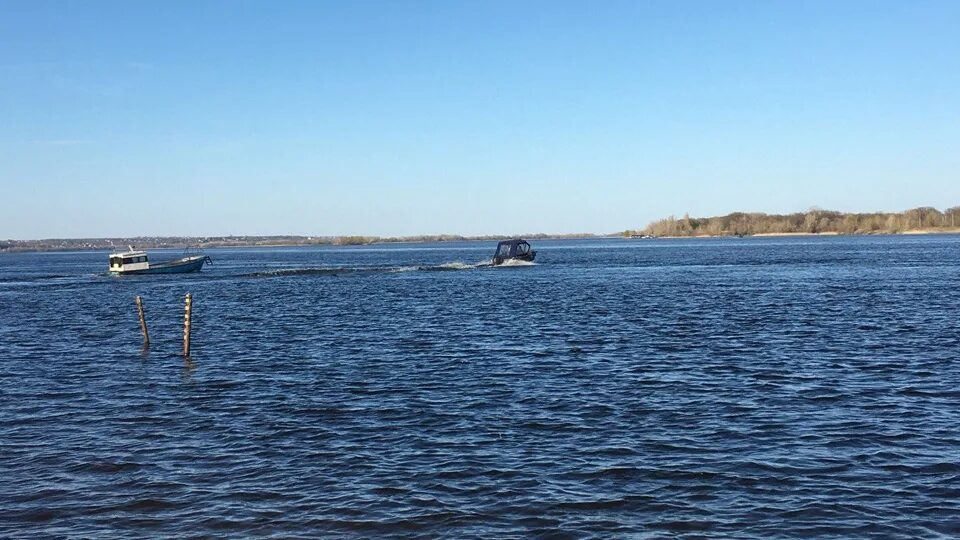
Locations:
(180, 266)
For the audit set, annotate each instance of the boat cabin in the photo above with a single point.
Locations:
(129, 261)
(518, 249)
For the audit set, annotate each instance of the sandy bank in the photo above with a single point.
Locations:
(828, 233)
(932, 231)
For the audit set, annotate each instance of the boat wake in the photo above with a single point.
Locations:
(29, 279)
(445, 267)
(352, 270)
(514, 263)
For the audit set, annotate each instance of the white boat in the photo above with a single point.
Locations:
(138, 262)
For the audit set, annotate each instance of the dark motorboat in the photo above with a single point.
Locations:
(513, 250)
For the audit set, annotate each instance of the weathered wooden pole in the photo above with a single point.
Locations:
(187, 311)
(143, 323)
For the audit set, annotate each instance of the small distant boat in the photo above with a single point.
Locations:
(137, 262)
(513, 250)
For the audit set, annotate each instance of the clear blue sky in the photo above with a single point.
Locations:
(471, 117)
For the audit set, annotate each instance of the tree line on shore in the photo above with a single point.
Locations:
(814, 221)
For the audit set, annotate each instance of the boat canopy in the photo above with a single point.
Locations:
(508, 249)
(127, 257)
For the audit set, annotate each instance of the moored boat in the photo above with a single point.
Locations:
(517, 249)
(136, 262)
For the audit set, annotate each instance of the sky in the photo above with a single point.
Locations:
(467, 117)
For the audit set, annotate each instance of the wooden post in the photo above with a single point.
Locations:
(187, 310)
(143, 323)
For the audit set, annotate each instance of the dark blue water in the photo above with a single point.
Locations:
(764, 388)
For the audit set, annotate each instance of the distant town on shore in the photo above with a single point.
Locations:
(815, 221)
(160, 242)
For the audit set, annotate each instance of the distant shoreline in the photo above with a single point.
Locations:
(914, 232)
(101, 244)
(203, 242)
(922, 220)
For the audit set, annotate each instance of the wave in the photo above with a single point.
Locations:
(516, 262)
(29, 279)
(349, 270)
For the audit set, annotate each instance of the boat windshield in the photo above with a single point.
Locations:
(523, 248)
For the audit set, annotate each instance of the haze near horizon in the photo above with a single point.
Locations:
(390, 119)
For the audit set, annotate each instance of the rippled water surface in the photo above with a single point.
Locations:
(681, 388)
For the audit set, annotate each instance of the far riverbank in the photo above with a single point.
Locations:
(923, 220)
(828, 233)
(203, 242)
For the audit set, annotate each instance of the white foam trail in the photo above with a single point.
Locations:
(517, 262)
(457, 265)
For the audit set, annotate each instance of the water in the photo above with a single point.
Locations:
(756, 388)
